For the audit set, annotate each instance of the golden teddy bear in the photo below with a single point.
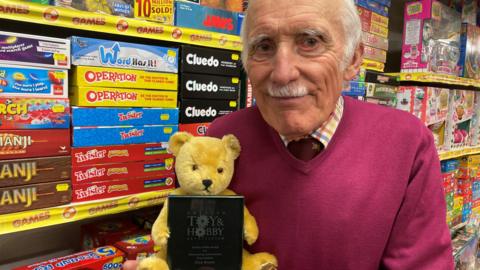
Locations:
(204, 166)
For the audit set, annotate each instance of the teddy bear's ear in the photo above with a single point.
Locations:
(177, 140)
(232, 144)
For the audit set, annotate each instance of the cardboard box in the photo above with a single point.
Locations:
(123, 116)
(375, 41)
(373, 65)
(230, 5)
(137, 247)
(36, 196)
(431, 38)
(123, 78)
(159, 11)
(203, 111)
(381, 78)
(33, 82)
(375, 54)
(429, 104)
(113, 7)
(209, 87)
(120, 171)
(469, 52)
(109, 189)
(30, 50)
(195, 16)
(374, 6)
(118, 97)
(107, 232)
(210, 61)
(461, 109)
(375, 28)
(381, 91)
(196, 129)
(118, 153)
(29, 143)
(24, 113)
(475, 124)
(367, 15)
(101, 258)
(107, 53)
(383, 2)
(102, 136)
(17, 172)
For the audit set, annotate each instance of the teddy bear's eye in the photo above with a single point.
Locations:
(194, 167)
(220, 170)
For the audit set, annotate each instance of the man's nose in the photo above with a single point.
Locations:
(285, 66)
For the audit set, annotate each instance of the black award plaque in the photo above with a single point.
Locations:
(206, 232)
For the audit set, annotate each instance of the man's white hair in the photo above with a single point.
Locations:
(352, 27)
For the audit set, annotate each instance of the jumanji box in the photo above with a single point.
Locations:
(36, 196)
(30, 143)
(17, 172)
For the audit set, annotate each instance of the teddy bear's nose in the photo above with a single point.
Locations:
(207, 183)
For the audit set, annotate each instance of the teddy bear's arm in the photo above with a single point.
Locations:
(160, 231)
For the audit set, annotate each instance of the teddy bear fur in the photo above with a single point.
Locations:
(204, 166)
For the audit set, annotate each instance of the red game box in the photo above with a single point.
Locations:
(196, 129)
(109, 189)
(107, 232)
(107, 257)
(118, 171)
(137, 247)
(34, 143)
(118, 153)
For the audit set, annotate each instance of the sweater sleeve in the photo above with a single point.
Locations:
(420, 238)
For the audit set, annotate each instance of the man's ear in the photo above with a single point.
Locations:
(354, 66)
(177, 140)
(232, 145)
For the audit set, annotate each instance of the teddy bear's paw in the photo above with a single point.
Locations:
(268, 266)
(152, 263)
(266, 261)
(161, 238)
(251, 237)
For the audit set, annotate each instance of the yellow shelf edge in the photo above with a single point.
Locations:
(437, 78)
(39, 218)
(97, 22)
(459, 153)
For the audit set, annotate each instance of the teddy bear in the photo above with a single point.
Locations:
(204, 166)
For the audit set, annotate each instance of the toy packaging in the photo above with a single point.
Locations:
(36, 196)
(107, 232)
(118, 153)
(475, 124)
(112, 7)
(195, 16)
(119, 97)
(123, 116)
(123, 78)
(373, 65)
(159, 11)
(202, 111)
(24, 113)
(36, 170)
(381, 91)
(375, 41)
(375, 54)
(107, 257)
(430, 104)
(120, 171)
(33, 82)
(209, 87)
(137, 247)
(367, 15)
(210, 61)
(102, 136)
(230, 5)
(431, 38)
(106, 53)
(355, 89)
(109, 189)
(29, 143)
(461, 107)
(196, 129)
(470, 52)
(29, 50)
(470, 11)
(374, 6)
(374, 28)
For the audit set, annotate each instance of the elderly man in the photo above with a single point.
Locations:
(334, 183)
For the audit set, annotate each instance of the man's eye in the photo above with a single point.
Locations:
(263, 50)
(309, 43)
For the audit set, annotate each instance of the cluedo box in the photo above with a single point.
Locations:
(83, 156)
(123, 116)
(27, 143)
(203, 110)
(210, 61)
(204, 86)
(101, 136)
(30, 113)
(196, 129)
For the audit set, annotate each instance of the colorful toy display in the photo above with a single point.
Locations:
(28, 143)
(461, 108)
(123, 116)
(470, 52)
(112, 7)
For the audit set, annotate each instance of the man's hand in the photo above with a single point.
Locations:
(130, 265)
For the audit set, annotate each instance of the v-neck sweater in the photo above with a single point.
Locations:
(372, 199)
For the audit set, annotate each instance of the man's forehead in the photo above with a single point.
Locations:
(292, 7)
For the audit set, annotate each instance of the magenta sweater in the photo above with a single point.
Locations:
(372, 199)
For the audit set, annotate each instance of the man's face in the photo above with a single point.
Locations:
(296, 50)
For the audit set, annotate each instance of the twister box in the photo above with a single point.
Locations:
(123, 78)
(119, 97)
(431, 38)
(83, 156)
(101, 136)
(470, 52)
(107, 53)
(17, 172)
(210, 61)
(24, 113)
(27, 143)
(205, 18)
(33, 82)
(196, 129)
(29, 50)
(209, 86)
(202, 110)
(107, 257)
(36, 196)
(123, 116)
(117, 171)
(109, 189)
